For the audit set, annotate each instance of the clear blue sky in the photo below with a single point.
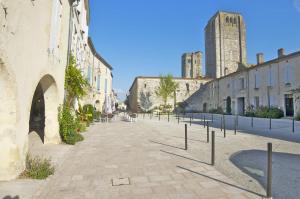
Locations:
(148, 37)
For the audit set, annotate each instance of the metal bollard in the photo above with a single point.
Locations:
(252, 121)
(270, 124)
(213, 148)
(237, 120)
(178, 119)
(185, 131)
(235, 126)
(269, 177)
(212, 118)
(207, 133)
(221, 125)
(159, 116)
(168, 117)
(293, 125)
(190, 121)
(224, 126)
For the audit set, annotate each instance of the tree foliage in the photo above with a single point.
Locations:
(167, 87)
(75, 84)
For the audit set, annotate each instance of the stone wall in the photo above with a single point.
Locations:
(142, 93)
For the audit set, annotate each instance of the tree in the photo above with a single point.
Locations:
(167, 87)
(75, 84)
(145, 101)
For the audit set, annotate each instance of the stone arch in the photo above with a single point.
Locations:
(8, 121)
(44, 110)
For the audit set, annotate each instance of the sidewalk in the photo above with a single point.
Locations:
(154, 163)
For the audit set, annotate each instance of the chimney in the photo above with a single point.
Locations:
(281, 52)
(260, 58)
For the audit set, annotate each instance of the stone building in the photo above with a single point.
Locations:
(275, 83)
(33, 57)
(79, 29)
(99, 75)
(142, 95)
(225, 44)
(36, 40)
(191, 65)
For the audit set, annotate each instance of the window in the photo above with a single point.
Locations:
(189, 61)
(287, 74)
(256, 80)
(256, 102)
(227, 19)
(242, 83)
(145, 85)
(231, 20)
(235, 21)
(271, 76)
(89, 74)
(272, 101)
(105, 85)
(98, 83)
(55, 25)
(187, 87)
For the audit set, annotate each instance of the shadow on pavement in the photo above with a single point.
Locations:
(220, 181)
(190, 139)
(9, 197)
(185, 157)
(166, 145)
(286, 170)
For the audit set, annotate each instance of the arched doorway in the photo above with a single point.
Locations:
(44, 110)
(228, 105)
(37, 113)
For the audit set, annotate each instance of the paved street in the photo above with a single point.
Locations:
(146, 153)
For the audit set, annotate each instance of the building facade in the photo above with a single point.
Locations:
(191, 65)
(33, 57)
(98, 73)
(225, 44)
(36, 41)
(275, 83)
(142, 96)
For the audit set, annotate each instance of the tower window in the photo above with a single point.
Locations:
(187, 87)
(235, 21)
(227, 20)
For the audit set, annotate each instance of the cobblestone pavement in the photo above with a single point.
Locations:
(155, 163)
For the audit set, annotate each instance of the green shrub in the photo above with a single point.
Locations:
(37, 168)
(266, 112)
(250, 112)
(297, 116)
(218, 110)
(81, 126)
(88, 109)
(275, 112)
(68, 126)
(97, 115)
